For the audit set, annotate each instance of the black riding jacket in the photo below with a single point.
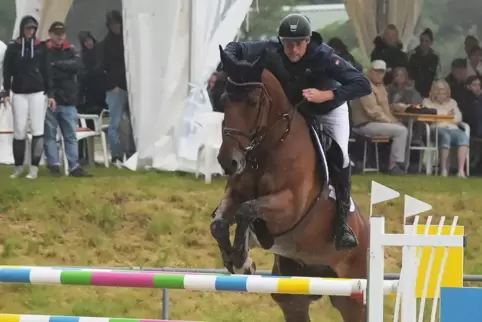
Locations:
(25, 65)
(320, 68)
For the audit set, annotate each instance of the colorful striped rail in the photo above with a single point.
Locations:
(59, 318)
(199, 282)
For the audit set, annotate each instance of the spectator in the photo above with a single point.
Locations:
(341, 50)
(469, 43)
(66, 65)
(474, 62)
(113, 64)
(372, 116)
(423, 64)
(91, 83)
(401, 92)
(388, 48)
(456, 80)
(25, 74)
(449, 133)
(472, 106)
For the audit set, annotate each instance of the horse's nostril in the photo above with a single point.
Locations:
(234, 164)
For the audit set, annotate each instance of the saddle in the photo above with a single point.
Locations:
(321, 142)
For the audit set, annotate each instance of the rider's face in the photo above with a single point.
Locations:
(295, 49)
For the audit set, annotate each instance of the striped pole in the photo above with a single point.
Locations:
(59, 318)
(199, 282)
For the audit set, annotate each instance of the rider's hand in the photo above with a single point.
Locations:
(317, 96)
(52, 104)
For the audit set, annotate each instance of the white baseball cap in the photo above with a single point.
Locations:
(379, 65)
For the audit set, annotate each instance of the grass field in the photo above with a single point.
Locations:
(119, 218)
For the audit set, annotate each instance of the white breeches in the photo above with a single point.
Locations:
(27, 107)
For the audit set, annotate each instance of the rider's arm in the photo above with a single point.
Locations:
(249, 51)
(353, 83)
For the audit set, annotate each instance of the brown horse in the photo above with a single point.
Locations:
(275, 195)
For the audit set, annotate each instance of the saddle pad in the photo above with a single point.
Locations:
(333, 196)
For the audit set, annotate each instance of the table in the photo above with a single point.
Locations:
(411, 118)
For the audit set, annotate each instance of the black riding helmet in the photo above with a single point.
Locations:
(294, 27)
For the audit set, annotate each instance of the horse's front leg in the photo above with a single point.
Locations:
(266, 210)
(222, 219)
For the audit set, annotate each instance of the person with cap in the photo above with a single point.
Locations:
(372, 116)
(25, 82)
(113, 64)
(65, 65)
(456, 80)
(324, 82)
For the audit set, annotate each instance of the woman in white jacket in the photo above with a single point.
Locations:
(449, 133)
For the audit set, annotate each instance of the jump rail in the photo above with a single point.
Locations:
(199, 282)
(60, 318)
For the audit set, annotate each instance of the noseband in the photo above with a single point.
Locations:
(258, 132)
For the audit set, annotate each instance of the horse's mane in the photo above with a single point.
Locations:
(275, 66)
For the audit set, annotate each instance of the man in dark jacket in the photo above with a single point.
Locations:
(65, 65)
(113, 64)
(456, 80)
(315, 74)
(25, 75)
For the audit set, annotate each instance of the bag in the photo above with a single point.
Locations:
(420, 109)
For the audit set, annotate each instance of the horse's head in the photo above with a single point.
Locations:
(252, 109)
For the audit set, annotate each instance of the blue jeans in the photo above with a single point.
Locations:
(452, 138)
(64, 117)
(117, 102)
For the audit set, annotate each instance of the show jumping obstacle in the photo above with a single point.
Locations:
(372, 291)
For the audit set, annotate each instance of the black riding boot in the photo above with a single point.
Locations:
(345, 238)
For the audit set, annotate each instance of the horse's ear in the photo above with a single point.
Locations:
(226, 60)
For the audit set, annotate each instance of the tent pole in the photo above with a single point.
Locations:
(191, 34)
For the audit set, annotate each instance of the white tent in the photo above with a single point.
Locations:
(171, 48)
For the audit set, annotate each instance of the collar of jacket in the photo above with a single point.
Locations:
(51, 45)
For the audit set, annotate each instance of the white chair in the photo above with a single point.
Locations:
(87, 134)
(211, 125)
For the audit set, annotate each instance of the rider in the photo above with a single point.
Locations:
(331, 83)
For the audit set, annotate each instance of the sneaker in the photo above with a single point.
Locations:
(117, 163)
(461, 175)
(444, 173)
(55, 171)
(79, 173)
(32, 173)
(397, 171)
(17, 172)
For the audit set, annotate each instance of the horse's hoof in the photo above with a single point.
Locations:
(249, 267)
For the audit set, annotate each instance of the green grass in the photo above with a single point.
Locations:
(120, 218)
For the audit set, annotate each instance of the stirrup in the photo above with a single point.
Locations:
(345, 238)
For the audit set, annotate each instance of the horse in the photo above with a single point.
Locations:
(277, 194)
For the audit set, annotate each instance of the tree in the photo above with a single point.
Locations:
(264, 23)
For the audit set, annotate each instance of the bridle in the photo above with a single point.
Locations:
(258, 132)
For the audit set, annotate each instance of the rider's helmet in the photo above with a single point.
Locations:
(294, 27)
